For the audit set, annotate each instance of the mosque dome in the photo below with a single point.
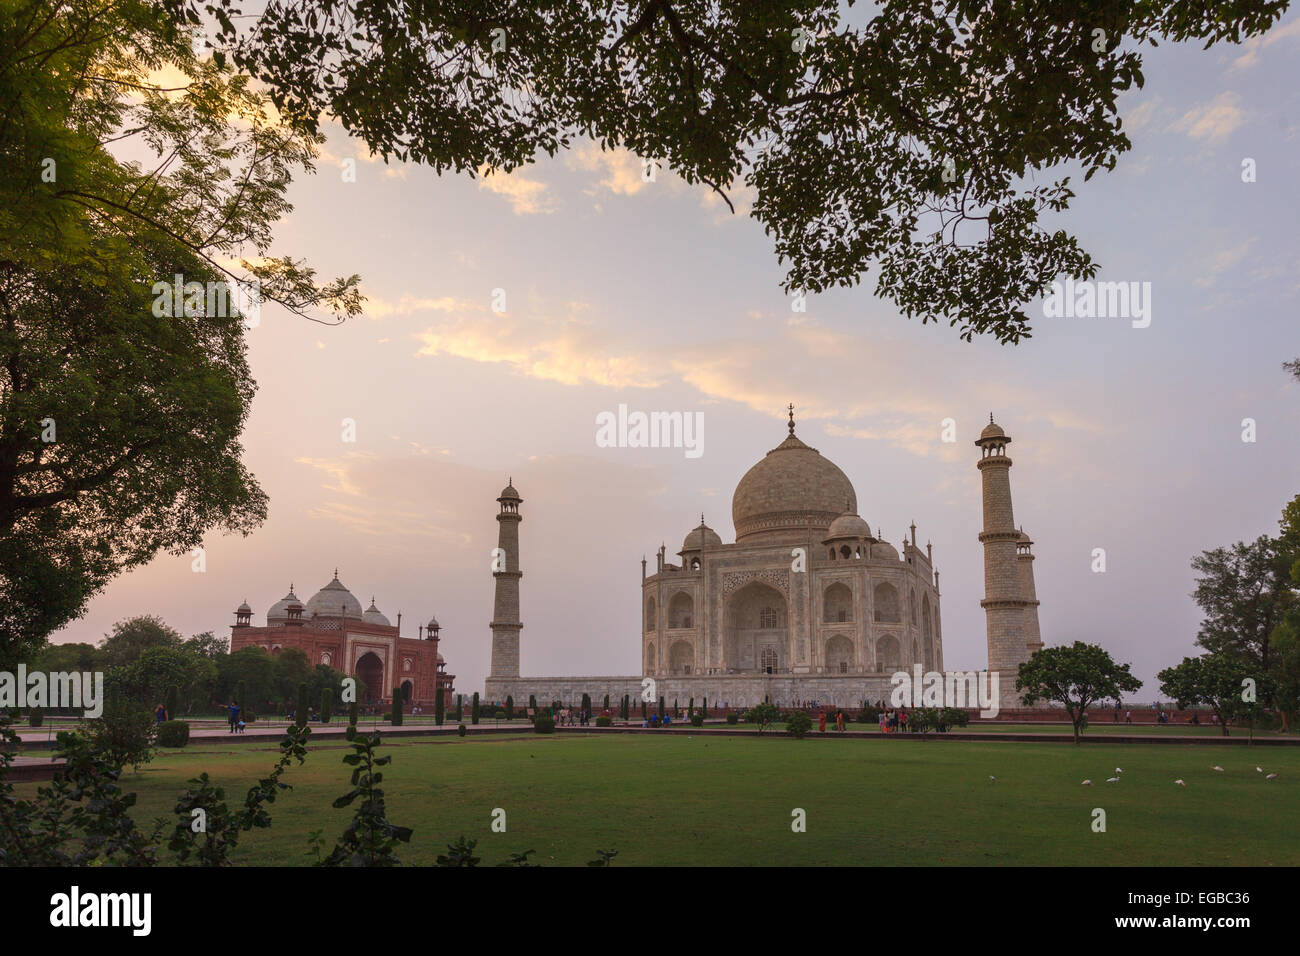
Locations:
(372, 615)
(848, 525)
(790, 490)
(702, 537)
(279, 612)
(333, 600)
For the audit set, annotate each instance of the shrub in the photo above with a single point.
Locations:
(955, 717)
(500, 715)
(544, 724)
(733, 718)
(603, 721)
(532, 701)
(586, 703)
(247, 718)
(396, 716)
(173, 733)
(461, 730)
(474, 709)
(35, 717)
(352, 714)
(798, 724)
(697, 720)
(124, 733)
(326, 704)
(764, 715)
(869, 715)
(438, 707)
(510, 707)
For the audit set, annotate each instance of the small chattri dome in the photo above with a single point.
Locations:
(372, 615)
(702, 537)
(433, 624)
(280, 609)
(244, 609)
(848, 525)
(509, 492)
(992, 431)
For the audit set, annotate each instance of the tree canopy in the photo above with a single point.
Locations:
(910, 139)
(1076, 676)
(121, 399)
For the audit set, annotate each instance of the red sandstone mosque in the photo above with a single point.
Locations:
(332, 629)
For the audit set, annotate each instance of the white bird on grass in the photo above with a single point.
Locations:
(1087, 783)
(1260, 769)
(1180, 783)
(1112, 779)
(1217, 767)
(1271, 776)
(991, 777)
(1119, 770)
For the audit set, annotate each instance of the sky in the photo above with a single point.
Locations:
(653, 295)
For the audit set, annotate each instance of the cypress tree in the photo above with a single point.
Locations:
(510, 707)
(473, 711)
(704, 708)
(438, 707)
(643, 713)
(586, 703)
(352, 714)
(326, 704)
(532, 702)
(460, 707)
(606, 707)
(677, 711)
(397, 707)
(661, 708)
(622, 707)
(690, 709)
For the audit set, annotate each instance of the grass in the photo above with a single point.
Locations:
(693, 799)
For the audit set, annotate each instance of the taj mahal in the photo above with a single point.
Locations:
(808, 603)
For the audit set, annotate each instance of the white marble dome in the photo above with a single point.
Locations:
(333, 600)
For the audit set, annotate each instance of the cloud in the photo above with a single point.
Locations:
(1251, 48)
(621, 170)
(1222, 261)
(378, 308)
(527, 197)
(1212, 121)
(569, 351)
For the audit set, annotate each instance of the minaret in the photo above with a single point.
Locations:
(1004, 606)
(1025, 561)
(505, 613)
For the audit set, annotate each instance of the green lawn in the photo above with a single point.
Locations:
(699, 799)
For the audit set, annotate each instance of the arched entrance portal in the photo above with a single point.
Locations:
(757, 630)
(370, 671)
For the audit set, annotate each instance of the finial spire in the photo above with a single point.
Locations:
(990, 418)
(791, 407)
(336, 573)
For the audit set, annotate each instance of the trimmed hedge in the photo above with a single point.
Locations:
(733, 718)
(544, 724)
(461, 730)
(697, 720)
(603, 721)
(35, 717)
(173, 733)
